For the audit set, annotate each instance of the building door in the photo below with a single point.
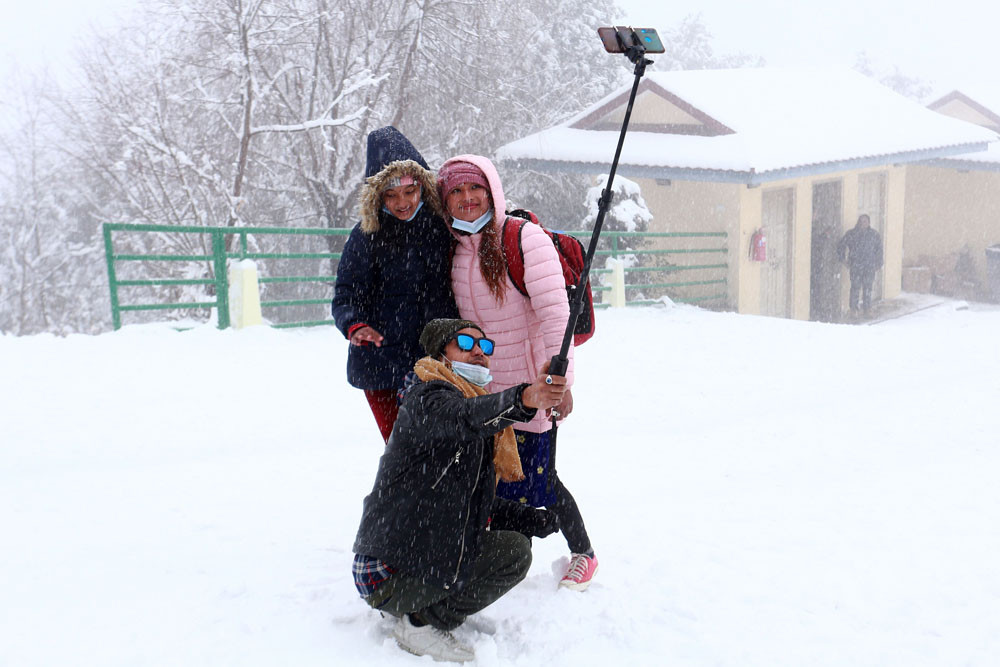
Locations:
(871, 200)
(824, 285)
(778, 211)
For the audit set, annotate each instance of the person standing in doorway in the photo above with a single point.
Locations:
(861, 250)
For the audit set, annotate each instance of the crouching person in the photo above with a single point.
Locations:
(425, 550)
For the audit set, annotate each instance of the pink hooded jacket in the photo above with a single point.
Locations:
(528, 331)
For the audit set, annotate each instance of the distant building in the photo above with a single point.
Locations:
(796, 153)
(959, 105)
(953, 207)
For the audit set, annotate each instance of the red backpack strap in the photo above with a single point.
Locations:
(513, 251)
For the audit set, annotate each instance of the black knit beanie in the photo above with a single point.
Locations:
(437, 334)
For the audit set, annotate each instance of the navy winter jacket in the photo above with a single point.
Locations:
(393, 274)
(395, 281)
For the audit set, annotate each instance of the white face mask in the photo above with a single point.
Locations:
(415, 211)
(472, 227)
(474, 373)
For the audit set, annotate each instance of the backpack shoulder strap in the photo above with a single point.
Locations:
(513, 252)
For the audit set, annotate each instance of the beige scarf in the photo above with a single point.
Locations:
(505, 456)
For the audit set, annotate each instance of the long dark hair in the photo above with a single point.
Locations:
(492, 262)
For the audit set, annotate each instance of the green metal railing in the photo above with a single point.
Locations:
(217, 258)
(221, 239)
(718, 270)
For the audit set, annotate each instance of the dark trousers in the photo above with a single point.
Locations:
(861, 285)
(570, 519)
(504, 561)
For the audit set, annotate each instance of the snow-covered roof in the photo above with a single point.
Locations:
(976, 104)
(980, 105)
(750, 125)
(986, 94)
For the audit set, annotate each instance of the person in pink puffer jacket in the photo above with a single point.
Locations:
(528, 331)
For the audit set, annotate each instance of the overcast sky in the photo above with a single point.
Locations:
(944, 48)
(38, 32)
(945, 43)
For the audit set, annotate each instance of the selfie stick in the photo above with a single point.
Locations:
(560, 363)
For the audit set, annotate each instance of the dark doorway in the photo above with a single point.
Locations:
(824, 286)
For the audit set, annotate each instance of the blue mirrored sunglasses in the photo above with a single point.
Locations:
(466, 343)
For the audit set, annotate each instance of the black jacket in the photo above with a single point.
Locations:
(865, 246)
(436, 487)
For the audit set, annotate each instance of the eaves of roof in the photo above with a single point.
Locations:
(957, 95)
(938, 156)
(963, 165)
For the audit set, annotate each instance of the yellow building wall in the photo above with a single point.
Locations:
(690, 206)
(947, 210)
(802, 249)
(737, 209)
(750, 219)
(895, 224)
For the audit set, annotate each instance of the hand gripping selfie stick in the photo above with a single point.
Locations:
(559, 364)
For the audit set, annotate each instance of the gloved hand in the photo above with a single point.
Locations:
(539, 523)
(525, 519)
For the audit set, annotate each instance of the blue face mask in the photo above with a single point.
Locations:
(420, 205)
(475, 226)
(474, 373)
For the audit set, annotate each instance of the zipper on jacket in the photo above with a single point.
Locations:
(496, 420)
(458, 454)
(468, 512)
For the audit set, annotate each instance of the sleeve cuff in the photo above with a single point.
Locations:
(520, 401)
(353, 328)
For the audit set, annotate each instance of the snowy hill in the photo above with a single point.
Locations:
(759, 492)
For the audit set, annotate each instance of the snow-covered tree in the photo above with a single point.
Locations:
(908, 86)
(627, 212)
(224, 115)
(51, 273)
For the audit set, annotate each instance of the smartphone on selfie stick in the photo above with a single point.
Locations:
(635, 44)
(620, 38)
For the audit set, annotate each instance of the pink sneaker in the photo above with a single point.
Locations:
(582, 569)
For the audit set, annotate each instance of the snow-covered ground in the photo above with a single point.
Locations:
(759, 492)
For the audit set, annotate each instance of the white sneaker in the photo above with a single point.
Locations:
(428, 640)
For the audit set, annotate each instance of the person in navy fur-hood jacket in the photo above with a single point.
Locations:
(393, 275)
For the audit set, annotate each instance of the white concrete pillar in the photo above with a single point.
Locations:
(617, 267)
(244, 294)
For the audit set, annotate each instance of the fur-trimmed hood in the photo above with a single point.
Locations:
(371, 191)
